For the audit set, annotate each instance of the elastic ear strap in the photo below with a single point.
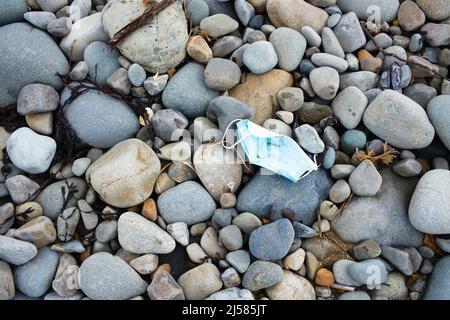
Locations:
(225, 134)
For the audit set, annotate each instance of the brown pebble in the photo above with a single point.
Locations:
(149, 210)
(165, 266)
(324, 277)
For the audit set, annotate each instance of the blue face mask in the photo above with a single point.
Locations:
(273, 151)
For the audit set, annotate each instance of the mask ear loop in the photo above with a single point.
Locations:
(311, 171)
(233, 146)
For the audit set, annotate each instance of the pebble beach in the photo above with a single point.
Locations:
(224, 150)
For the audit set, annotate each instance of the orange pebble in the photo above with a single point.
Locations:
(165, 266)
(364, 54)
(149, 210)
(324, 277)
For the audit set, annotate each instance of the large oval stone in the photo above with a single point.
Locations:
(27, 55)
(271, 195)
(296, 14)
(399, 121)
(187, 202)
(141, 236)
(157, 46)
(383, 218)
(429, 210)
(103, 276)
(101, 120)
(125, 175)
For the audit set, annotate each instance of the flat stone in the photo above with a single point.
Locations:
(437, 111)
(272, 241)
(157, 47)
(222, 74)
(435, 9)
(365, 180)
(364, 80)
(200, 282)
(232, 293)
(308, 138)
(295, 14)
(100, 120)
(217, 25)
(224, 110)
(105, 277)
(197, 10)
(12, 11)
(371, 272)
(331, 44)
(399, 121)
(394, 288)
(349, 33)
(38, 65)
(260, 57)
(164, 287)
(40, 231)
(289, 46)
(261, 275)
(7, 289)
(21, 188)
(52, 199)
(240, 260)
(16, 252)
(429, 207)
(325, 82)
(407, 168)
(387, 8)
(383, 217)
(420, 93)
(67, 223)
(329, 60)
(291, 287)
(268, 195)
(102, 61)
(437, 34)
(367, 249)
(35, 277)
(37, 98)
(199, 49)
(349, 106)
(398, 258)
(172, 204)
(141, 236)
(439, 285)
(410, 16)
(125, 175)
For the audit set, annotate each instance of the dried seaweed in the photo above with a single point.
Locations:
(10, 119)
(386, 158)
(141, 21)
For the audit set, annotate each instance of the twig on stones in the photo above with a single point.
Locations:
(143, 20)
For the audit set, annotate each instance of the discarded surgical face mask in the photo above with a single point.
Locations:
(273, 151)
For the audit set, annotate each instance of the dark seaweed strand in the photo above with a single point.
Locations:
(143, 20)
